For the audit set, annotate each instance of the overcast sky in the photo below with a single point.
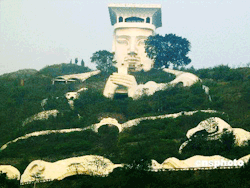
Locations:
(36, 33)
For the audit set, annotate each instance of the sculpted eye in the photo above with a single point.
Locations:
(122, 41)
(141, 42)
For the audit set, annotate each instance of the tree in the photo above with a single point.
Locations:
(70, 61)
(82, 63)
(104, 61)
(37, 176)
(167, 50)
(76, 61)
(6, 182)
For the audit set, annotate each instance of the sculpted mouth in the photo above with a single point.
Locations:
(132, 59)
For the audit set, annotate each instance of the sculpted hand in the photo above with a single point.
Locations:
(124, 80)
(120, 79)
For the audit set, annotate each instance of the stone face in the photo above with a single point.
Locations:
(11, 172)
(133, 23)
(39, 170)
(129, 49)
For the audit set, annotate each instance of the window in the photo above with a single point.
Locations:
(120, 19)
(147, 20)
(134, 19)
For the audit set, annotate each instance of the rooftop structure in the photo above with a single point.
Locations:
(149, 14)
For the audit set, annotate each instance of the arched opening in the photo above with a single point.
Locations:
(120, 96)
(134, 19)
(120, 19)
(121, 92)
(108, 129)
(75, 80)
(179, 84)
(58, 80)
(147, 20)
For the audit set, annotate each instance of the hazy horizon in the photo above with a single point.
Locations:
(34, 34)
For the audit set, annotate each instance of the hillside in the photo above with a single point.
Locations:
(150, 139)
(20, 74)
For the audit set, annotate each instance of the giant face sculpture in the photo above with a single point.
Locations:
(129, 49)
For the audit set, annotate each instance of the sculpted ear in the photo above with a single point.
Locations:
(37, 168)
(113, 44)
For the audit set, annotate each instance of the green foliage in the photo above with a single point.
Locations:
(59, 103)
(200, 144)
(174, 99)
(7, 183)
(63, 69)
(228, 140)
(82, 63)
(154, 74)
(104, 61)
(167, 50)
(222, 73)
(20, 74)
(158, 139)
(76, 61)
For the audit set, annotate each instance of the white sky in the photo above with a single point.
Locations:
(36, 33)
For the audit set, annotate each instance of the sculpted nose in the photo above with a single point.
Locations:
(131, 53)
(132, 48)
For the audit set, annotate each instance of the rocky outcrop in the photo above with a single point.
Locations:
(39, 170)
(245, 158)
(135, 122)
(73, 77)
(71, 96)
(106, 121)
(198, 162)
(40, 133)
(10, 171)
(44, 115)
(186, 78)
(215, 128)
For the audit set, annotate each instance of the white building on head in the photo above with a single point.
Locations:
(133, 23)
